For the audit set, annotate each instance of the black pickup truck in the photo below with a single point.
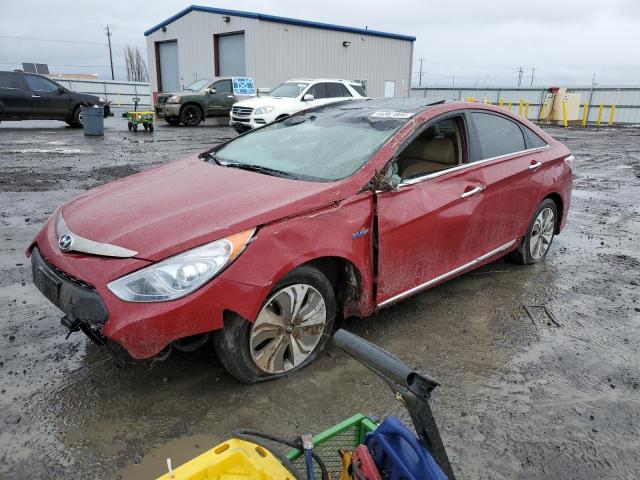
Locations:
(27, 96)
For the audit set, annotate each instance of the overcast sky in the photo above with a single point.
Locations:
(463, 41)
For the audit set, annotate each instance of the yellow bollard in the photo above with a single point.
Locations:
(501, 102)
(600, 114)
(611, 113)
(520, 107)
(526, 110)
(541, 116)
(564, 114)
(585, 114)
(509, 107)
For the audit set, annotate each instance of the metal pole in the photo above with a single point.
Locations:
(420, 73)
(110, 52)
(533, 70)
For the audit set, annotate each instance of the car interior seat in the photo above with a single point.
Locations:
(430, 152)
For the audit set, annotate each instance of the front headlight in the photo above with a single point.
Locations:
(173, 99)
(263, 110)
(181, 274)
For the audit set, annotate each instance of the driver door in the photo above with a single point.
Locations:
(429, 228)
(220, 102)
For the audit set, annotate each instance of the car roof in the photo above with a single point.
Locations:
(314, 80)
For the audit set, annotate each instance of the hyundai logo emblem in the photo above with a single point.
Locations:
(65, 242)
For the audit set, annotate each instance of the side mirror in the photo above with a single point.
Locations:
(387, 181)
(61, 89)
(210, 91)
(308, 97)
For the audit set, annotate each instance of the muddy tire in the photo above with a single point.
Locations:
(76, 118)
(291, 330)
(191, 115)
(537, 242)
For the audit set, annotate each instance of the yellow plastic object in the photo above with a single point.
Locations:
(233, 459)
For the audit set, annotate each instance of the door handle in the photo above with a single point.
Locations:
(472, 192)
(534, 165)
(35, 96)
(230, 96)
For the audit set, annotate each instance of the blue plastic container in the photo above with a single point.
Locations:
(400, 455)
(93, 120)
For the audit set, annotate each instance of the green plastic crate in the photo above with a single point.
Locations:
(348, 434)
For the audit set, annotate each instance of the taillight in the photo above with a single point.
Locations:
(570, 161)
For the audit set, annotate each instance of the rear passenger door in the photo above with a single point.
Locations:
(327, 92)
(513, 173)
(15, 101)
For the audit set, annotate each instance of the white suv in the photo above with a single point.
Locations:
(291, 97)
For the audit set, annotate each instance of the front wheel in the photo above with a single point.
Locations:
(191, 116)
(537, 241)
(292, 328)
(76, 118)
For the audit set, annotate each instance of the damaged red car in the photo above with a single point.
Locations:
(264, 241)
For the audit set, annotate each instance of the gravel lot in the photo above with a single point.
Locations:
(521, 397)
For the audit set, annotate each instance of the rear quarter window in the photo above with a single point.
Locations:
(497, 135)
(9, 80)
(359, 89)
(533, 139)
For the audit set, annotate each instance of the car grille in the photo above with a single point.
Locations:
(162, 99)
(76, 281)
(241, 112)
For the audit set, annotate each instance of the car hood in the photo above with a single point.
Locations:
(256, 102)
(186, 203)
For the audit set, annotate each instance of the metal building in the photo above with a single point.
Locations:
(201, 42)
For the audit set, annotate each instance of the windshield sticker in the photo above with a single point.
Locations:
(391, 115)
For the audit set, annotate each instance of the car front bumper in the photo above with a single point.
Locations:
(243, 124)
(77, 285)
(171, 110)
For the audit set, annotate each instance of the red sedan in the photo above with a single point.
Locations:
(263, 241)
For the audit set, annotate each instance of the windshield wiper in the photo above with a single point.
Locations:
(211, 157)
(259, 169)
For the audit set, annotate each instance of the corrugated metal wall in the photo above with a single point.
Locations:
(626, 99)
(276, 52)
(119, 93)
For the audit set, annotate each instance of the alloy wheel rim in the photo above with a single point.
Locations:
(192, 115)
(542, 233)
(288, 328)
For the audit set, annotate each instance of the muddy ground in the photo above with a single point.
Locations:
(520, 397)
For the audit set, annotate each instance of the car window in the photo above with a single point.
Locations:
(9, 80)
(319, 90)
(359, 89)
(533, 140)
(288, 89)
(437, 148)
(40, 84)
(497, 135)
(337, 90)
(223, 86)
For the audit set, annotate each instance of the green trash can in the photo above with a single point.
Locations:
(93, 120)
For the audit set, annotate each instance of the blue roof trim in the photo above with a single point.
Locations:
(273, 18)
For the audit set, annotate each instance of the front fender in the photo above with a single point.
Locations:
(343, 230)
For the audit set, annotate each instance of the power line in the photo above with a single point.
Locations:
(56, 40)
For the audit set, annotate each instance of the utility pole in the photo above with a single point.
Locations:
(533, 70)
(420, 73)
(110, 53)
(520, 72)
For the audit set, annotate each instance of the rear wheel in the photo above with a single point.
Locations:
(292, 328)
(191, 115)
(537, 241)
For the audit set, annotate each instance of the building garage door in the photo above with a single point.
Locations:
(169, 78)
(230, 55)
